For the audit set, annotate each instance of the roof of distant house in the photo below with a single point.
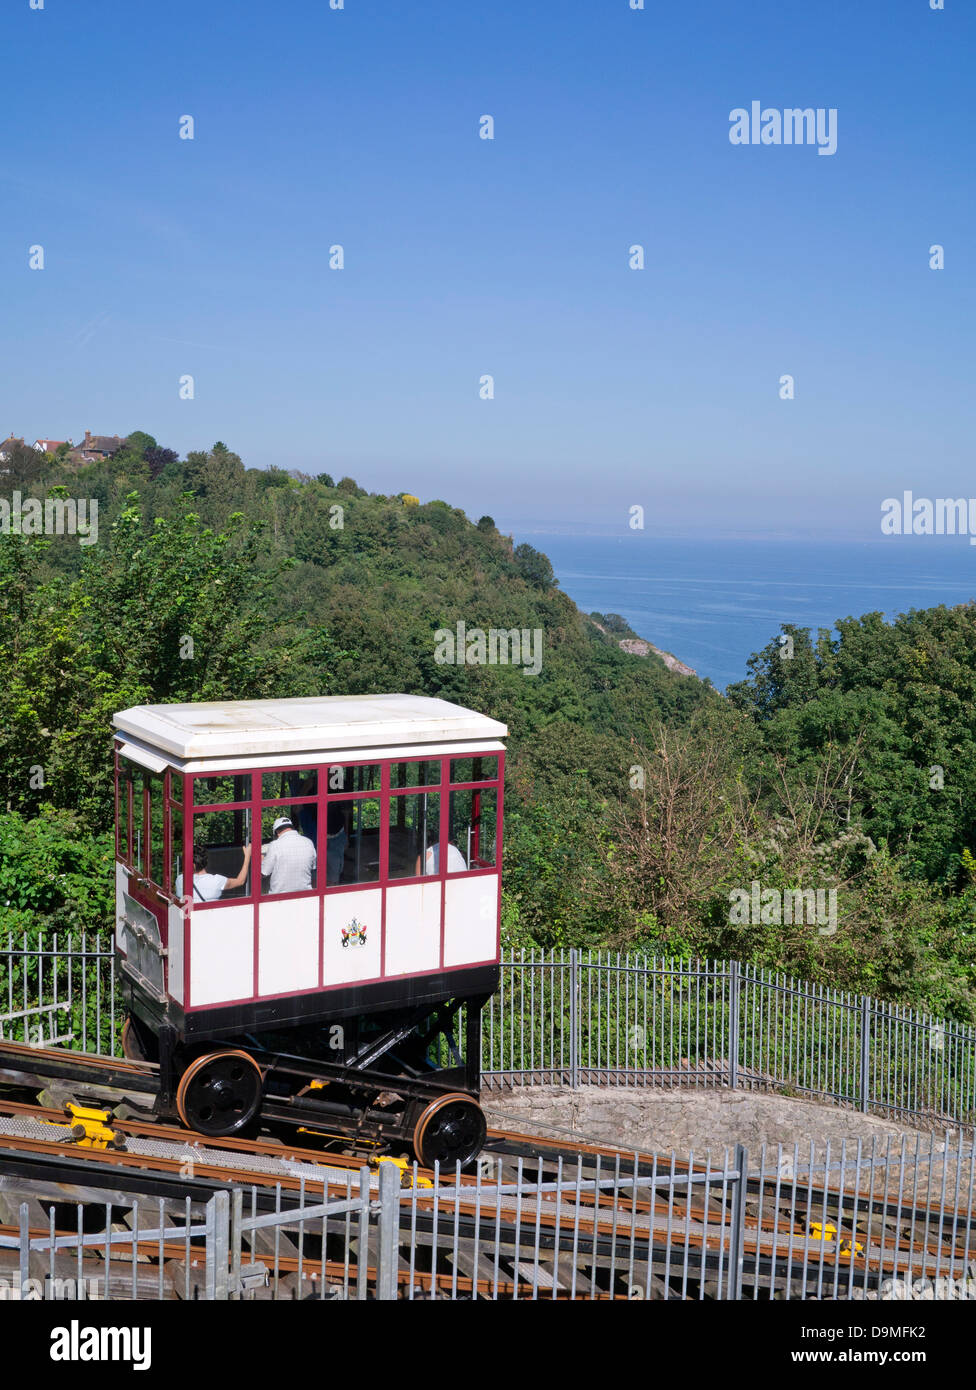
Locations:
(101, 443)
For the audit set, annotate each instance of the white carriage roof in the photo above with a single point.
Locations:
(246, 728)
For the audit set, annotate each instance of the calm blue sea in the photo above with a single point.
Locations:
(715, 602)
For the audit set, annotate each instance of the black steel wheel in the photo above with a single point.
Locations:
(449, 1130)
(219, 1093)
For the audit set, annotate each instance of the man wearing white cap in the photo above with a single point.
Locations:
(289, 859)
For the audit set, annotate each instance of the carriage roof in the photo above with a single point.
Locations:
(323, 723)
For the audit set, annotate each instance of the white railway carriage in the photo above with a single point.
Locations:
(308, 892)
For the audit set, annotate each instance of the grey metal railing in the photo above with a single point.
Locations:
(861, 1221)
(287, 1250)
(569, 1018)
(525, 1237)
(141, 1251)
(60, 991)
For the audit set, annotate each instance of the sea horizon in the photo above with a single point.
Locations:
(714, 601)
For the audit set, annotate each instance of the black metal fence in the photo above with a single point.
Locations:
(571, 1018)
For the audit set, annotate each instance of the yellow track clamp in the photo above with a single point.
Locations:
(845, 1247)
(88, 1128)
(406, 1171)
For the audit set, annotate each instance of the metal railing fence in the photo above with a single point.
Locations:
(318, 1249)
(145, 1249)
(572, 1017)
(569, 1018)
(61, 991)
(140, 1250)
(865, 1221)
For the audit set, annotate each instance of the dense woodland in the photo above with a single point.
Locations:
(637, 799)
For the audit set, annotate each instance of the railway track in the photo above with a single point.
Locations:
(586, 1215)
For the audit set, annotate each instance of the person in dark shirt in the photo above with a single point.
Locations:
(336, 837)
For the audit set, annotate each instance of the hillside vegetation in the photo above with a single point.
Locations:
(638, 799)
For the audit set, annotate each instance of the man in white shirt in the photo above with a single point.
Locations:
(289, 859)
(432, 859)
(207, 887)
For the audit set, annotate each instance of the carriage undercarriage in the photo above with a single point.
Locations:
(371, 1081)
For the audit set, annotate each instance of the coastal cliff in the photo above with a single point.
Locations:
(612, 625)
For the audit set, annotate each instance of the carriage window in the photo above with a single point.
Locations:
(303, 816)
(419, 774)
(221, 791)
(221, 836)
(415, 823)
(279, 786)
(175, 846)
(474, 769)
(364, 778)
(128, 806)
(338, 818)
(156, 837)
(472, 829)
(353, 841)
(289, 859)
(140, 849)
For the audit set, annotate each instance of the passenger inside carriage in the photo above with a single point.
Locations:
(208, 887)
(336, 839)
(288, 861)
(432, 860)
(414, 821)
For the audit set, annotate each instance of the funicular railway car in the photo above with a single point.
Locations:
(308, 898)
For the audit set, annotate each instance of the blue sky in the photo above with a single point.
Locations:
(210, 257)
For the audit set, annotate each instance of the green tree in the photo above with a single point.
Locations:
(534, 566)
(169, 611)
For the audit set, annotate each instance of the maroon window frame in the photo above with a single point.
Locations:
(322, 799)
(264, 803)
(127, 821)
(192, 809)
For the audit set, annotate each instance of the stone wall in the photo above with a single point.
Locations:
(659, 1121)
